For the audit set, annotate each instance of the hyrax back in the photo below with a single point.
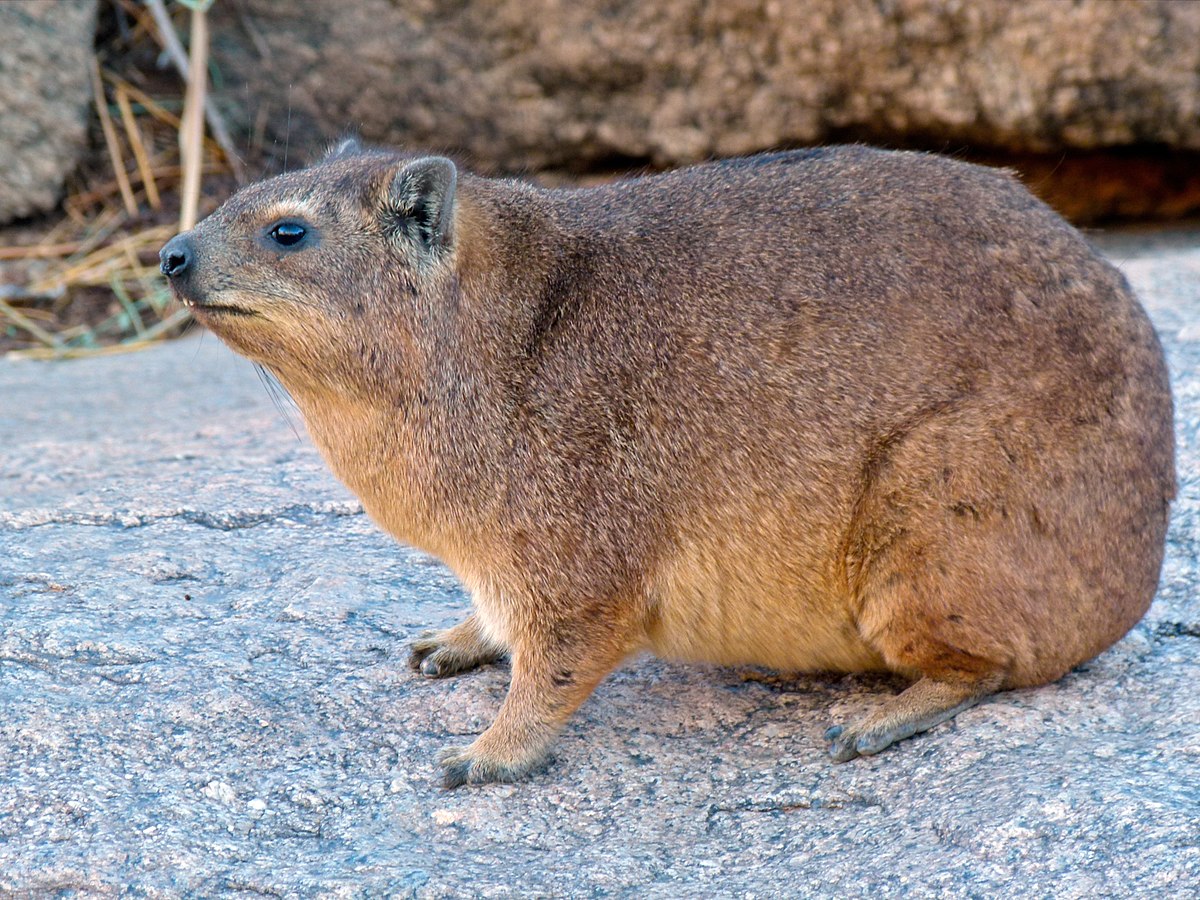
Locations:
(840, 409)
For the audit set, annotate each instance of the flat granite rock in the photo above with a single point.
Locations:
(203, 691)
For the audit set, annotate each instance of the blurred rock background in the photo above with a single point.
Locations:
(45, 52)
(1085, 88)
(1095, 103)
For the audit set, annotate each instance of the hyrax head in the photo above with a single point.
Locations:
(324, 273)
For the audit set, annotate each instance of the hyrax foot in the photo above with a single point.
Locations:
(548, 684)
(472, 765)
(431, 655)
(919, 708)
(458, 649)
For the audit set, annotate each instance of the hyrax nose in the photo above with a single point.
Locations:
(175, 259)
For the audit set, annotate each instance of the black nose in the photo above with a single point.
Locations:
(176, 257)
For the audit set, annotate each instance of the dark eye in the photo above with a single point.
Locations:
(288, 234)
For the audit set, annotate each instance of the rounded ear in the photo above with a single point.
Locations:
(420, 202)
(346, 147)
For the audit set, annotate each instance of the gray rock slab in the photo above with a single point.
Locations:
(203, 691)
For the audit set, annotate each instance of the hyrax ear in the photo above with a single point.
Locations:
(420, 202)
(343, 148)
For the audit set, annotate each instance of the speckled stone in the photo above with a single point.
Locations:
(203, 691)
(45, 99)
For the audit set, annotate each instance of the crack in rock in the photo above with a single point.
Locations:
(1177, 630)
(44, 658)
(791, 804)
(34, 584)
(220, 521)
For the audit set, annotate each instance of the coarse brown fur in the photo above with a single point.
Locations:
(828, 410)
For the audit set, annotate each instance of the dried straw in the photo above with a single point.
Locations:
(139, 148)
(110, 138)
(103, 251)
(191, 136)
(165, 33)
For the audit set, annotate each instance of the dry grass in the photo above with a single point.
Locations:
(89, 282)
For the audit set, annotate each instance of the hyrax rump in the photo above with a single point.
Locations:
(834, 410)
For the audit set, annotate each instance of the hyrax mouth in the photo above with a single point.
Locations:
(178, 262)
(220, 309)
(204, 308)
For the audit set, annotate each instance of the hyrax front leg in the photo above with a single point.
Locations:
(551, 677)
(465, 646)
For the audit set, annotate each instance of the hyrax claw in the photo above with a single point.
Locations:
(463, 765)
(438, 654)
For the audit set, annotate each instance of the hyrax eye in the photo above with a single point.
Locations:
(288, 234)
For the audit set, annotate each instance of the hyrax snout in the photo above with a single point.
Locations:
(831, 410)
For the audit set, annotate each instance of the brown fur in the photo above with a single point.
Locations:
(838, 409)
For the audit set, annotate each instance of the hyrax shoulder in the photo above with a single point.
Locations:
(839, 409)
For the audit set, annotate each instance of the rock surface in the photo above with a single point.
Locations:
(203, 690)
(533, 84)
(45, 51)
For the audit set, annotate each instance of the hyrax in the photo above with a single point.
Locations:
(836, 410)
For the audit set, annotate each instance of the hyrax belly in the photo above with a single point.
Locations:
(734, 602)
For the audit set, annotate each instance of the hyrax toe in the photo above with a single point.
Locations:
(469, 765)
(437, 660)
(922, 706)
(842, 743)
(438, 654)
(847, 743)
(419, 649)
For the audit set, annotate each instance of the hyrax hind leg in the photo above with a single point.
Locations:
(923, 705)
(458, 649)
(957, 664)
(935, 610)
(942, 596)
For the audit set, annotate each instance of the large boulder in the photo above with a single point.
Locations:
(522, 85)
(45, 49)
